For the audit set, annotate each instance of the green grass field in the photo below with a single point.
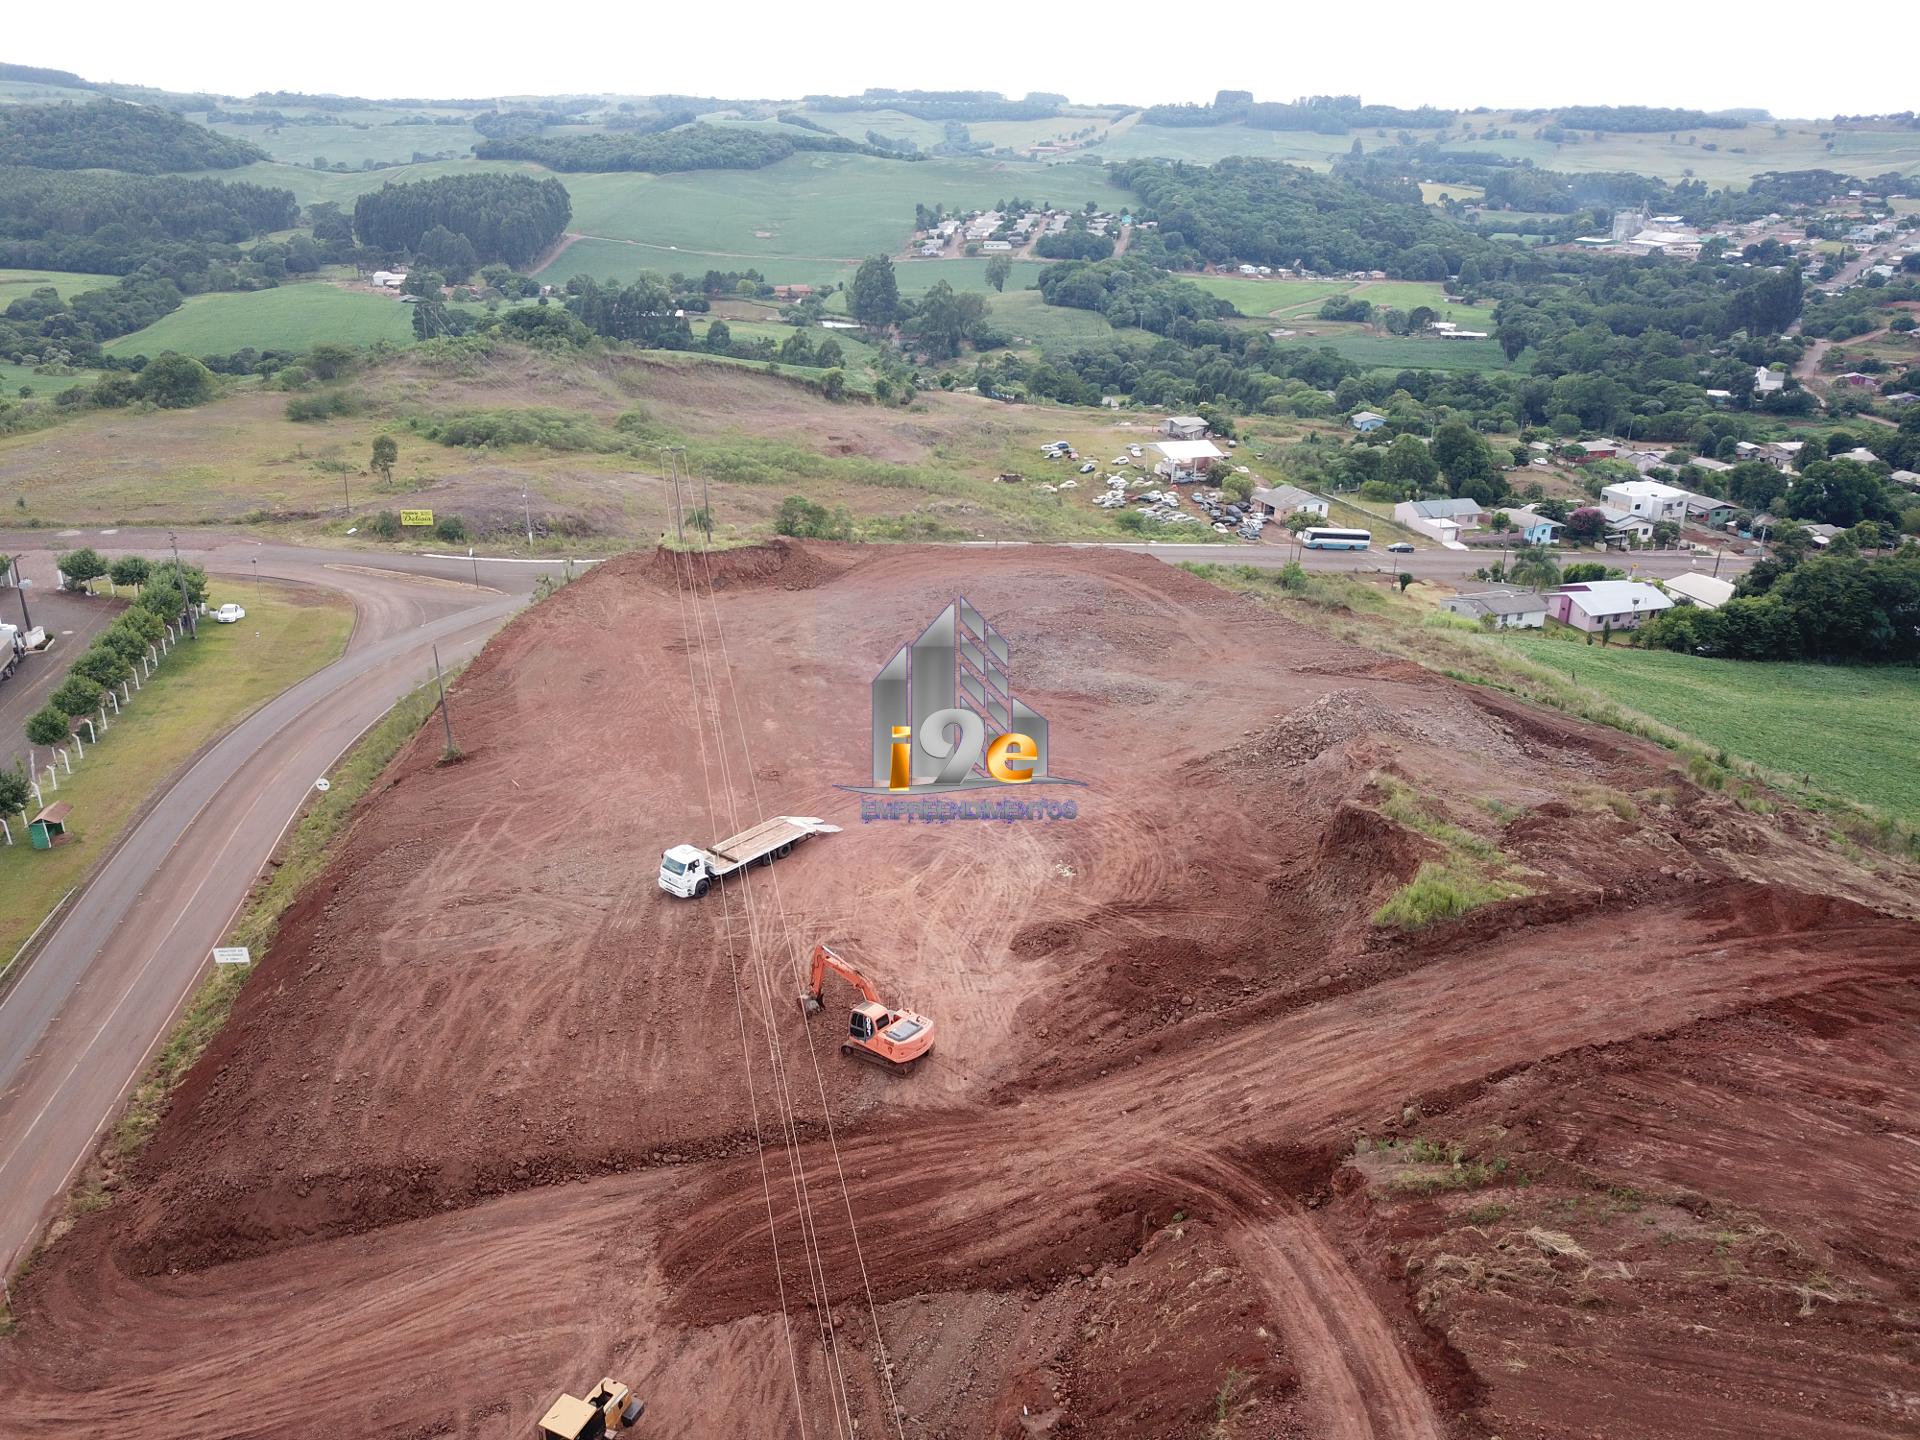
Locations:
(12, 377)
(1396, 352)
(624, 259)
(1846, 729)
(1267, 297)
(15, 284)
(811, 206)
(202, 689)
(291, 317)
(1026, 317)
(309, 185)
(377, 139)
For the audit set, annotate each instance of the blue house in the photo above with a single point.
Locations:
(1535, 529)
(1366, 422)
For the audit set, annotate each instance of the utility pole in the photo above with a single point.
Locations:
(673, 478)
(706, 512)
(26, 620)
(446, 717)
(346, 494)
(476, 567)
(528, 504)
(180, 574)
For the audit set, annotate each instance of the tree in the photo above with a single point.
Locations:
(174, 382)
(999, 268)
(330, 361)
(1405, 579)
(14, 790)
(874, 296)
(719, 337)
(1409, 463)
(833, 384)
(448, 252)
(49, 726)
(103, 664)
(1534, 567)
(76, 695)
(828, 354)
(130, 570)
(1586, 525)
(1665, 534)
(385, 452)
(81, 566)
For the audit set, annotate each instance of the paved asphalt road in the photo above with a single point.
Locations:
(77, 1025)
(70, 620)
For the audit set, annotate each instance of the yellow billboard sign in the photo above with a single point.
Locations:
(416, 517)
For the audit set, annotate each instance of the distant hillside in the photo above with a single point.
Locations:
(691, 147)
(39, 75)
(113, 136)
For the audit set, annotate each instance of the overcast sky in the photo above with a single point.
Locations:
(1486, 52)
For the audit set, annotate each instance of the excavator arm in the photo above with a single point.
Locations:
(824, 960)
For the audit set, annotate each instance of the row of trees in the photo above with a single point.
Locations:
(690, 147)
(166, 591)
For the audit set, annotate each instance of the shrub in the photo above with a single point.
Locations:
(80, 566)
(451, 529)
(76, 695)
(131, 570)
(386, 525)
(14, 791)
(48, 726)
(802, 518)
(322, 404)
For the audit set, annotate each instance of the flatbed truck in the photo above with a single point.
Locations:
(689, 871)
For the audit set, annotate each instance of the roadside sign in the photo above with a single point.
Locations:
(232, 955)
(323, 784)
(416, 517)
(25, 583)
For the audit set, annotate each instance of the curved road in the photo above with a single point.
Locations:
(77, 1026)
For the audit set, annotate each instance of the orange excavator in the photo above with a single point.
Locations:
(893, 1039)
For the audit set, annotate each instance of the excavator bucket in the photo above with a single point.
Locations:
(810, 1005)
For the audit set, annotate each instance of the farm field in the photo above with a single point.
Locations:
(1738, 156)
(1433, 192)
(291, 317)
(378, 140)
(309, 185)
(1401, 352)
(809, 206)
(1268, 297)
(1117, 1231)
(1785, 717)
(200, 691)
(16, 284)
(624, 259)
(1024, 315)
(13, 376)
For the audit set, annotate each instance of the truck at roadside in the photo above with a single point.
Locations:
(13, 645)
(690, 871)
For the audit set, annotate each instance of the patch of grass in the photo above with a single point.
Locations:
(1443, 890)
(1489, 1213)
(291, 317)
(17, 284)
(201, 690)
(1781, 716)
(1401, 803)
(304, 856)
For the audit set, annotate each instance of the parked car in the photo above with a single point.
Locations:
(1088, 468)
(229, 613)
(1400, 547)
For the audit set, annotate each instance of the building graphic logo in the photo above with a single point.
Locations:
(945, 718)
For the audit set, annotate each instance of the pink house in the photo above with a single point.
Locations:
(1606, 605)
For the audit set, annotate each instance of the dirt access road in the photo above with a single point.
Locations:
(71, 621)
(78, 1024)
(497, 1112)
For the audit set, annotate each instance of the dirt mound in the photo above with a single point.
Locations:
(496, 1108)
(779, 564)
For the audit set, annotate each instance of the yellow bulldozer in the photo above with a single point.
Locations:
(609, 1407)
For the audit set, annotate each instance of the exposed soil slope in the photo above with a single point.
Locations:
(1202, 1149)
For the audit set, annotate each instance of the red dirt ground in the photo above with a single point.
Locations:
(1202, 1151)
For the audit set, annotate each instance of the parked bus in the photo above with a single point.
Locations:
(1328, 537)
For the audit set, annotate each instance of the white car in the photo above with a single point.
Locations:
(1088, 468)
(1134, 450)
(228, 614)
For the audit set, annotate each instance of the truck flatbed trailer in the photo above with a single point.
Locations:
(690, 870)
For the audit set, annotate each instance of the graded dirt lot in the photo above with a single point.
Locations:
(1202, 1149)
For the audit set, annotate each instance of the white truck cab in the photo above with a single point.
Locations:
(689, 871)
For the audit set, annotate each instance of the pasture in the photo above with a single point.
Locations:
(810, 206)
(291, 317)
(380, 139)
(15, 284)
(1405, 352)
(1778, 715)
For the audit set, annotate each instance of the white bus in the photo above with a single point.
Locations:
(1328, 537)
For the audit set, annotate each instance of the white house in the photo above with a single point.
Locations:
(996, 246)
(1283, 500)
(1648, 498)
(1184, 460)
(1623, 526)
(1441, 519)
(1766, 381)
(1701, 590)
(388, 279)
(1185, 427)
(1510, 609)
(1606, 604)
